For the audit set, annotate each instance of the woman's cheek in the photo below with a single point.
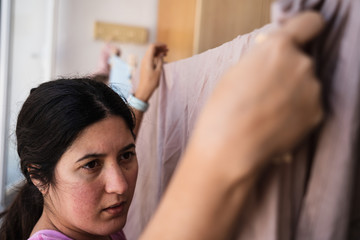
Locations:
(86, 199)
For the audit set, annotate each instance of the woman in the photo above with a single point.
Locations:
(64, 183)
(76, 142)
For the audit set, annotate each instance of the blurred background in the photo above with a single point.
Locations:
(46, 39)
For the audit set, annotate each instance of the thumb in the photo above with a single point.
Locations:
(158, 63)
(304, 27)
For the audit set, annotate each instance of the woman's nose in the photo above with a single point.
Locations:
(115, 180)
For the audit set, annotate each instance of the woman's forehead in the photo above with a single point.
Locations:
(104, 137)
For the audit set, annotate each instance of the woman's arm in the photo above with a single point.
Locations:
(261, 108)
(150, 71)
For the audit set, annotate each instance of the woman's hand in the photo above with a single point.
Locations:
(150, 70)
(267, 102)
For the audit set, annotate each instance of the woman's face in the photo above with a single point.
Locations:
(94, 181)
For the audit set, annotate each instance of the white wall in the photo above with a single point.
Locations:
(26, 68)
(77, 53)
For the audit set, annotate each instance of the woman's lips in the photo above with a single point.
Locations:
(115, 209)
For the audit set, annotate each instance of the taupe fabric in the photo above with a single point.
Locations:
(326, 204)
(184, 88)
(312, 198)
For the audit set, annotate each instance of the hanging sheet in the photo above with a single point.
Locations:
(309, 198)
(183, 90)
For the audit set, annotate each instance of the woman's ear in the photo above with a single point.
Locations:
(38, 183)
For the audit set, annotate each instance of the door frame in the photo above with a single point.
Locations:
(5, 33)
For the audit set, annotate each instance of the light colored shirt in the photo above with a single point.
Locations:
(55, 235)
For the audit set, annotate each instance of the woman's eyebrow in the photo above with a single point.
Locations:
(127, 147)
(91, 155)
(99, 155)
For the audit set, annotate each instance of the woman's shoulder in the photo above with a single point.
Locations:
(48, 235)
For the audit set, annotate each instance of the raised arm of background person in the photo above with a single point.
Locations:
(262, 107)
(150, 71)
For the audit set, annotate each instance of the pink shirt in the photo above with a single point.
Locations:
(55, 235)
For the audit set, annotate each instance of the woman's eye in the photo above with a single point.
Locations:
(91, 165)
(127, 155)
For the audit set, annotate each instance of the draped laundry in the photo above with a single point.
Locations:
(166, 126)
(310, 198)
